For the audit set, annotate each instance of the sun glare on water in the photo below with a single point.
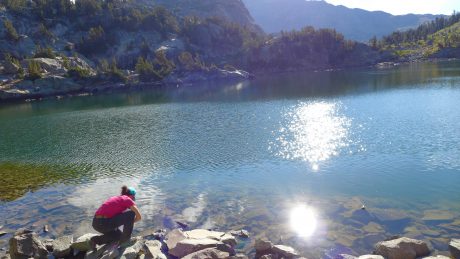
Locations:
(303, 221)
(314, 133)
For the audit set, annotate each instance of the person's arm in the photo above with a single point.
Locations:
(136, 211)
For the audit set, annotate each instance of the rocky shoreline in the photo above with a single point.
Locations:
(198, 244)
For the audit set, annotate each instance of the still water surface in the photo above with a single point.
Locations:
(289, 157)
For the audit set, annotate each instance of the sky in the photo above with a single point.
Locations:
(403, 6)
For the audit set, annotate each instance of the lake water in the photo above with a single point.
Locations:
(289, 157)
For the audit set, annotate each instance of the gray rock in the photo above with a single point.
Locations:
(216, 235)
(173, 237)
(62, 246)
(346, 256)
(111, 253)
(2, 233)
(82, 243)
(402, 248)
(48, 243)
(132, 252)
(26, 244)
(263, 245)
(188, 246)
(153, 249)
(269, 256)
(51, 66)
(285, 251)
(454, 248)
(98, 253)
(208, 253)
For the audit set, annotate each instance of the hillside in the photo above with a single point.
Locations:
(437, 39)
(232, 11)
(52, 47)
(357, 24)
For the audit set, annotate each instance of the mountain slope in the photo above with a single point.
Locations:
(276, 15)
(233, 11)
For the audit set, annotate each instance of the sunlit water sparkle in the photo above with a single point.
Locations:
(315, 132)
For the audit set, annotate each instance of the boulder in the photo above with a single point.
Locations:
(173, 237)
(285, 251)
(153, 249)
(82, 243)
(263, 245)
(208, 253)
(132, 251)
(454, 248)
(269, 256)
(62, 246)
(370, 257)
(188, 246)
(203, 233)
(346, 256)
(402, 248)
(26, 244)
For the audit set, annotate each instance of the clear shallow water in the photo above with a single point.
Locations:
(291, 157)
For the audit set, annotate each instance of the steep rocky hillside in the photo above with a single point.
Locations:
(231, 10)
(277, 15)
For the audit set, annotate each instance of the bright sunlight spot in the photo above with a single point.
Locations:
(303, 221)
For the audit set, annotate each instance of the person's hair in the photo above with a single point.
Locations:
(124, 190)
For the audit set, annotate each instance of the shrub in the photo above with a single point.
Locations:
(78, 73)
(146, 71)
(34, 70)
(11, 32)
(44, 52)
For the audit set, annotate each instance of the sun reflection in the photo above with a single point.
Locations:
(315, 132)
(303, 221)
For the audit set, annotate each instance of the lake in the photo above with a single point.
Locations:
(290, 157)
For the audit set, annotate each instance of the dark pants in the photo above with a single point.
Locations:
(109, 228)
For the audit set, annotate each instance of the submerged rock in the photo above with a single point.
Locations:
(26, 244)
(62, 246)
(454, 248)
(402, 248)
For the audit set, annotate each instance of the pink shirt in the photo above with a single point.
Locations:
(114, 206)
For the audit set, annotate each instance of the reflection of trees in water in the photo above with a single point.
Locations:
(20, 178)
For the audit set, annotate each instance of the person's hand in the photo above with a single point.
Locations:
(138, 214)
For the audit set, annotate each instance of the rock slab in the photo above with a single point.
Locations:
(82, 243)
(402, 248)
(208, 253)
(454, 248)
(153, 249)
